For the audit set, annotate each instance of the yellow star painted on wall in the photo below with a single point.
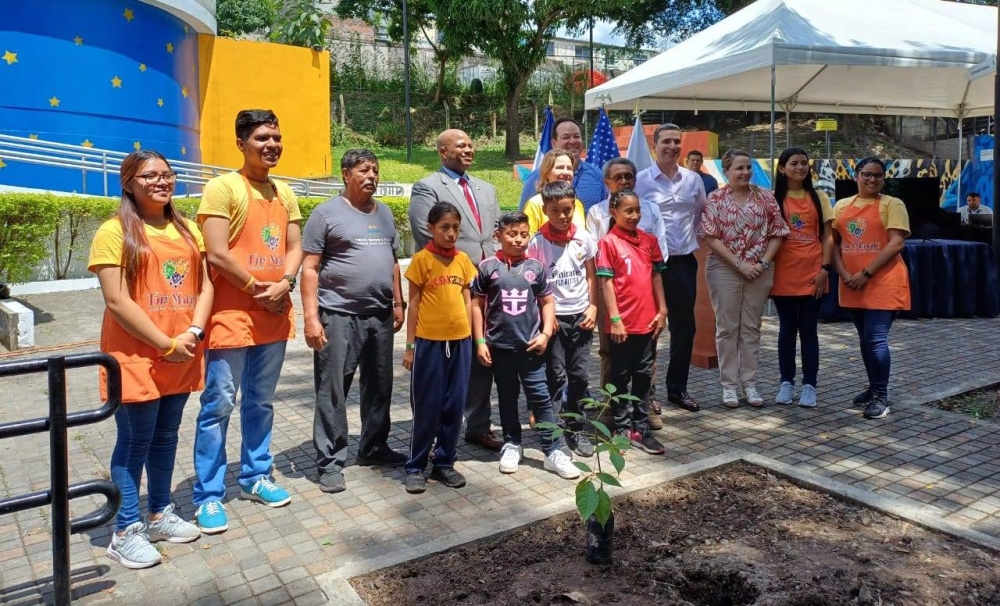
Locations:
(116, 82)
(54, 102)
(9, 57)
(159, 102)
(129, 15)
(170, 47)
(137, 146)
(184, 91)
(142, 67)
(184, 150)
(86, 143)
(2, 164)
(33, 136)
(78, 41)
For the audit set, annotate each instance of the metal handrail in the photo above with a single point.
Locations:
(60, 490)
(108, 162)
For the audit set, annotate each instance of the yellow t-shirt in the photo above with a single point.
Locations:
(109, 241)
(536, 215)
(442, 315)
(226, 196)
(824, 202)
(891, 209)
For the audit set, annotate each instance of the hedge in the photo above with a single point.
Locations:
(33, 222)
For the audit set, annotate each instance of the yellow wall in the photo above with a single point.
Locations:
(292, 81)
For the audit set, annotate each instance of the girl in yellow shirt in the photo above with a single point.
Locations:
(438, 349)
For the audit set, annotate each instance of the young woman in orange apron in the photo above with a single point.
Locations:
(149, 261)
(801, 272)
(869, 229)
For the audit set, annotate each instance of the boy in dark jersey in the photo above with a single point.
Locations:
(513, 318)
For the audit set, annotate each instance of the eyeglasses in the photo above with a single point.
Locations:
(154, 177)
(623, 177)
(872, 176)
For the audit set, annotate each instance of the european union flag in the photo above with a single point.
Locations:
(603, 146)
(545, 140)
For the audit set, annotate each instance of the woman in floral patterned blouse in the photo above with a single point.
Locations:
(743, 227)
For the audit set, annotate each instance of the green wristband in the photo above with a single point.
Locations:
(480, 341)
(616, 319)
(409, 346)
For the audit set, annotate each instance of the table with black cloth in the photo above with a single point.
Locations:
(948, 279)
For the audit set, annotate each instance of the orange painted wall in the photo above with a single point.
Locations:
(294, 82)
(704, 141)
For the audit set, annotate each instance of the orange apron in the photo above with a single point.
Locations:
(237, 320)
(167, 293)
(801, 254)
(862, 238)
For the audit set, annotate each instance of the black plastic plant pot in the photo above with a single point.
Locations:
(600, 540)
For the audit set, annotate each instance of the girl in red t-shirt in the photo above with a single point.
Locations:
(629, 262)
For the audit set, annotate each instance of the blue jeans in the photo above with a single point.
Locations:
(873, 330)
(256, 368)
(514, 369)
(147, 437)
(798, 316)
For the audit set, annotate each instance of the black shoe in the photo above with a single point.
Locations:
(683, 400)
(646, 442)
(416, 483)
(579, 443)
(864, 397)
(878, 408)
(332, 481)
(385, 457)
(448, 476)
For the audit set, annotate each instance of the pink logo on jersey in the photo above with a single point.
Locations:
(514, 301)
(529, 276)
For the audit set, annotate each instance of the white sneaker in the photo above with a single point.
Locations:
(753, 397)
(730, 399)
(785, 393)
(132, 549)
(170, 527)
(559, 463)
(510, 456)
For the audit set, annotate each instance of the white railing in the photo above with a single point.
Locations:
(88, 160)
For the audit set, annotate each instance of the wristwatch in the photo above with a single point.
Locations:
(291, 281)
(199, 334)
(765, 264)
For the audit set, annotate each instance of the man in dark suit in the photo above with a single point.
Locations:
(477, 201)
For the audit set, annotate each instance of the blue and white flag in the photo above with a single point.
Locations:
(545, 140)
(603, 146)
(638, 148)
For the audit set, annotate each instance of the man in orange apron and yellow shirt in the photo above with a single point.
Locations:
(254, 249)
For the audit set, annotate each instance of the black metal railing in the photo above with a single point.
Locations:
(57, 424)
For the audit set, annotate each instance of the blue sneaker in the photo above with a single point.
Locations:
(267, 492)
(807, 399)
(211, 517)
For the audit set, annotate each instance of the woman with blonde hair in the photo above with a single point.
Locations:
(557, 165)
(151, 267)
(743, 227)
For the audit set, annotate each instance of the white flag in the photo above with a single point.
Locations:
(638, 148)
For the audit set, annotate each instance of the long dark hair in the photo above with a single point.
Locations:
(781, 185)
(136, 249)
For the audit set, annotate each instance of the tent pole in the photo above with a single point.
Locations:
(961, 144)
(788, 128)
(771, 165)
(996, 117)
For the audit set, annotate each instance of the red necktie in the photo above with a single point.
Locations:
(464, 182)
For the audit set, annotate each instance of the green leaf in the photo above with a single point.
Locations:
(617, 460)
(583, 467)
(602, 447)
(627, 397)
(603, 509)
(611, 389)
(607, 478)
(572, 416)
(546, 425)
(586, 498)
(601, 427)
(557, 433)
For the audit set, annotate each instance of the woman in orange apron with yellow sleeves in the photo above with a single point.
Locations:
(801, 273)
(149, 261)
(869, 229)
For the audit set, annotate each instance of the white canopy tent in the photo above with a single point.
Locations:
(890, 57)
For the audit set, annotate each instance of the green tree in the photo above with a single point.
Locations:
(300, 23)
(237, 17)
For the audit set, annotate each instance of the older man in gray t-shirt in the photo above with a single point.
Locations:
(352, 304)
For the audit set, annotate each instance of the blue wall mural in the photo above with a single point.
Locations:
(977, 175)
(112, 74)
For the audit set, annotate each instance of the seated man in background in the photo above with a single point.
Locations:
(973, 206)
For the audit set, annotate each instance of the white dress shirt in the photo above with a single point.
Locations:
(680, 199)
(650, 221)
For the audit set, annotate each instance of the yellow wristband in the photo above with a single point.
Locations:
(173, 346)
(250, 282)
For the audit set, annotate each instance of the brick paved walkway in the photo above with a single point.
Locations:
(943, 460)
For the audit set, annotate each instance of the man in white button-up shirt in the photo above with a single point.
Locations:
(680, 195)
